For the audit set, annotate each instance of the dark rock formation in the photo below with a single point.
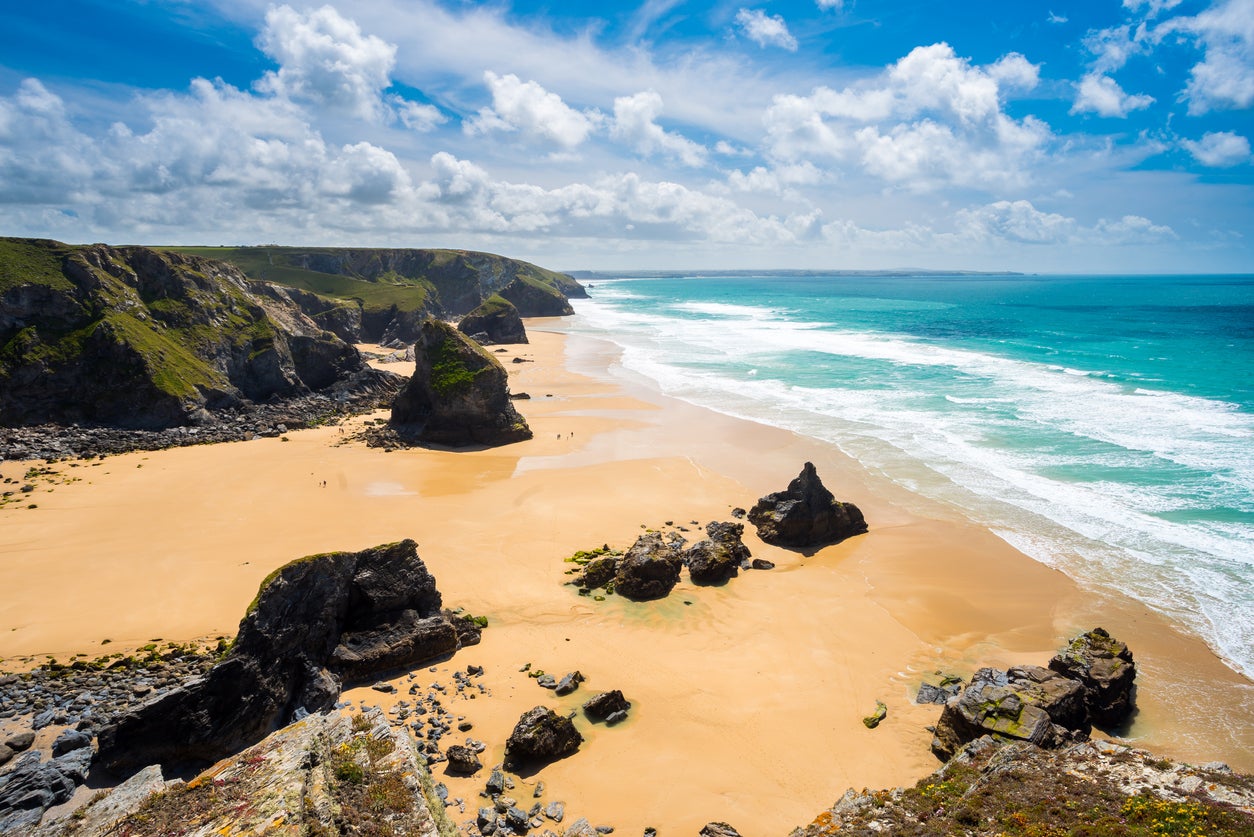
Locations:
(458, 395)
(568, 683)
(805, 515)
(1089, 682)
(718, 829)
(540, 736)
(32, 786)
(535, 299)
(606, 704)
(137, 338)
(649, 569)
(315, 620)
(1105, 667)
(719, 557)
(497, 318)
(462, 761)
(598, 572)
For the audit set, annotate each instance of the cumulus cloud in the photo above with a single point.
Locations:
(325, 59)
(1131, 229)
(635, 124)
(1225, 76)
(535, 112)
(1021, 222)
(43, 159)
(1111, 48)
(1219, 149)
(1102, 95)
(930, 119)
(415, 116)
(765, 30)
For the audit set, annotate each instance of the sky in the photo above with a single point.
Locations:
(1103, 136)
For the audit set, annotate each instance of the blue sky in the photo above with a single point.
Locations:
(1102, 136)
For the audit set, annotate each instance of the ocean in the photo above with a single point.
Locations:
(1104, 425)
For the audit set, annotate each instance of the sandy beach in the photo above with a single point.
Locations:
(747, 699)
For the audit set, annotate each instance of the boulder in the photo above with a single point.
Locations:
(1061, 697)
(569, 683)
(32, 786)
(540, 736)
(718, 829)
(458, 395)
(719, 557)
(315, 621)
(597, 573)
(605, 704)
(497, 318)
(649, 569)
(805, 515)
(1104, 666)
(462, 761)
(990, 706)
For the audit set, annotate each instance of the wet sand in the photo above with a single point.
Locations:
(747, 699)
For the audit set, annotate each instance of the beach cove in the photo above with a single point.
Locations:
(747, 699)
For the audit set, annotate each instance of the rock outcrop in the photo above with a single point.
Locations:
(720, 556)
(326, 774)
(315, 621)
(496, 319)
(1043, 706)
(458, 395)
(540, 736)
(138, 338)
(607, 704)
(805, 515)
(649, 569)
(1105, 667)
(1094, 787)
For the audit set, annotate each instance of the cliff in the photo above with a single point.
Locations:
(138, 338)
(383, 295)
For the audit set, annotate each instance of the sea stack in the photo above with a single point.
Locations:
(806, 515)
(458, 395)
(496, 319)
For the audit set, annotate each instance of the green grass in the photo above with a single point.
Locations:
(38, 262)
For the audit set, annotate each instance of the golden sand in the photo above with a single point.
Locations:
(747, 699)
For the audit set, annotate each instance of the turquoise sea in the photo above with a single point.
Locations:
(1104, 425)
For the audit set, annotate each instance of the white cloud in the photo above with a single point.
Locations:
(635, 124)
(325, 59)
(838, 5)
(1018, 221)
(366, 174)
(775, 180)
(765, 30)
(1054, 18)
(415, 116)
(529, 108)
(1219, 149)
(930, 119)
(1111, 48)
(1153, 7)
(1225, 76)
(1102, 95)
(1131, 229)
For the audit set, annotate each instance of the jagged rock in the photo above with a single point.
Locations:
(555, 811)
(131, 337)
(541, 736)
(990, 706)
(939, 692)
(32, 786)
(605, 704)
(458, 395)
(581, 828)
(1105, 667)
(20, 741)
(71, 739)
(718, 829)
(719, 557)
(569, 683)
(497, 318)
(597, 573)
(303, 779)
(806, 514)
(649, 570)
(462, 761)
(1061, 697)
(102, 816)
(314, 621)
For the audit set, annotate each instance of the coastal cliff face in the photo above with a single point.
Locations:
(384, 295)
(137, 338)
